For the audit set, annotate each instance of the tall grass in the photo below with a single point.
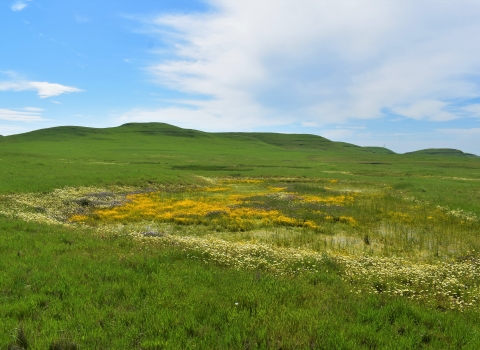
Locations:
(65, 288)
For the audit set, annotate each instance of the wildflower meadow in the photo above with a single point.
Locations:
(325, 252)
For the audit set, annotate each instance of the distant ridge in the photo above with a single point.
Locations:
(451, 152)
(380, 150)
(160, 129)
(302, 141)
(305, 142)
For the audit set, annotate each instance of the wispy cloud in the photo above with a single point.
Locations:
(470, 133)
(324, 62)
(473, 109)
(27, 114)
(44, 89)
(433, 110)
(82, 19)
(19, 5)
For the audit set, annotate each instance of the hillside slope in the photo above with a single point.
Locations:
(145, 153)
(280, 140)
(450, 152)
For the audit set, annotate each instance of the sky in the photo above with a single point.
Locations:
(401, 74)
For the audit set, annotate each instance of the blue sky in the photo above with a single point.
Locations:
(399, 73)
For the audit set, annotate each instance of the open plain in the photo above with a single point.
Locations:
(149, 236)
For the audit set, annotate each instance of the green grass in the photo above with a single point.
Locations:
(64, 287)
(110, 292)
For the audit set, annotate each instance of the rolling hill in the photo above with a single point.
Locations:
(280, 140)
(142, 153)
(450, 152)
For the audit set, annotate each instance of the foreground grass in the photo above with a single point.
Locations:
(61, 287)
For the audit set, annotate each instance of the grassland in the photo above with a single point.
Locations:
(150, 236)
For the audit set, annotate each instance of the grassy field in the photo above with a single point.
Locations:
(150, 236)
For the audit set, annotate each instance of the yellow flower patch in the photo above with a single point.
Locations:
(331, 200)
(243, 207)
(216, 209)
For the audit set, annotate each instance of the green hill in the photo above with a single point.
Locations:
(290, 141)
(285, 141)
(68, 132)
(142, 153)
(303, 141)
(451, 152)
(135, 130)
(158, 129)
(380, 150)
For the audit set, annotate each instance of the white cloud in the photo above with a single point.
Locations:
(48, 89)
(27, 114)
(433, 110)
(33, 109)
(19, 5)
(324, 62)
(44, 89)
(473, 109)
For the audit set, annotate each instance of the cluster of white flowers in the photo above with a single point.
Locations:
(451, 178)
(411, 199)
(459, 213)
(338, 172)
(455, 285)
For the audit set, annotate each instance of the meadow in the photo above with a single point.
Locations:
(150, 236)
